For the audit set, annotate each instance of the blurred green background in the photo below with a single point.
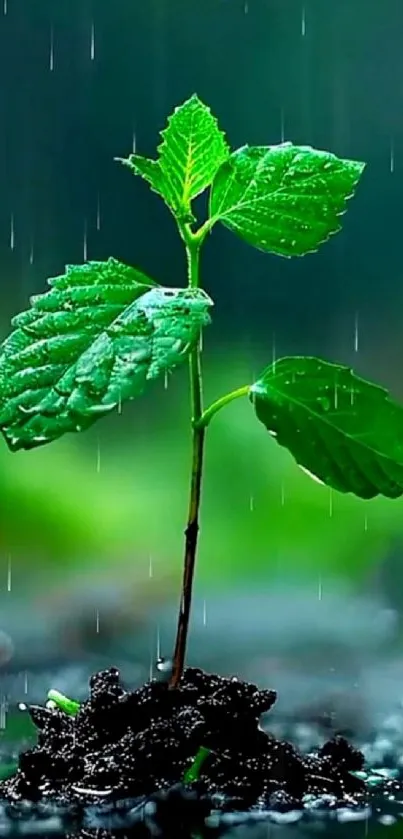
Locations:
(116, 498)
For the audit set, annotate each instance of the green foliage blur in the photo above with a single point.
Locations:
(115, 498)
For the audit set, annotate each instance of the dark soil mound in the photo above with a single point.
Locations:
(128, 744)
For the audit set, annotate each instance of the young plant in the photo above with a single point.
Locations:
(105, 330)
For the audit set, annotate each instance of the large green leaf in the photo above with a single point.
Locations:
(90, 343)
(343, 430)
(283, 199)
(192, 150)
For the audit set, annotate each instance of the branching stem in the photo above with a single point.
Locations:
(208, 414)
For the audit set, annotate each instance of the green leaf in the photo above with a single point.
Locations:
(93, 341)
(192, 151)
(283, 199)
(346, 432)
(149, 170)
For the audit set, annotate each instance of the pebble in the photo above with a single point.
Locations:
(291, 817)
(387, 820)
(346, 815)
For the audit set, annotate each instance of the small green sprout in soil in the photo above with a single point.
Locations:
(104, 331)
(192, 774)
(58, 700)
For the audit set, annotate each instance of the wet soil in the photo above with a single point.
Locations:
(137, 746)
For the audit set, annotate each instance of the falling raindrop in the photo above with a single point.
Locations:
(166, 380)
(282, 494)
(120, 403)
(9, 574)
(92, 48)
(246, 8)
(330, 502)
(3, 712)
(98, 212)
(356, 333)
(25, 682)
(31, 252)
(273, 351)
(97, 622)
(336, 397)
(51, 51)
(134, 142)
(303, 22)
(5, 7)
(201, 342)
(98, 457)
(366, 522)
(320, 588)
(151, 667)
(251, 503)
(12, 232)
(158, 644)
(164, 667)
(392, 156)
(282, 125)
(150, 567)
(85, 241)
(204, 613)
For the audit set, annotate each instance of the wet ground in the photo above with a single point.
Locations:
(336, 666)
(311, 786)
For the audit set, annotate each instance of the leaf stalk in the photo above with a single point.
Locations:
(216, 406)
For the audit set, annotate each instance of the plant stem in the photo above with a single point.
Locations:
(193, 245)
(208, 414)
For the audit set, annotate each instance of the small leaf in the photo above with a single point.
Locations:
(191, 153)
(344, 431)
(283, 199)
(90, 343)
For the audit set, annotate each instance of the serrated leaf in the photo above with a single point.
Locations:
(93, 341)
(191, 153)
(192, 150)
(283, 199)
(345, 431)
(148, 169)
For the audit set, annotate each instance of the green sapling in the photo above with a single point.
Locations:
(105, 330)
